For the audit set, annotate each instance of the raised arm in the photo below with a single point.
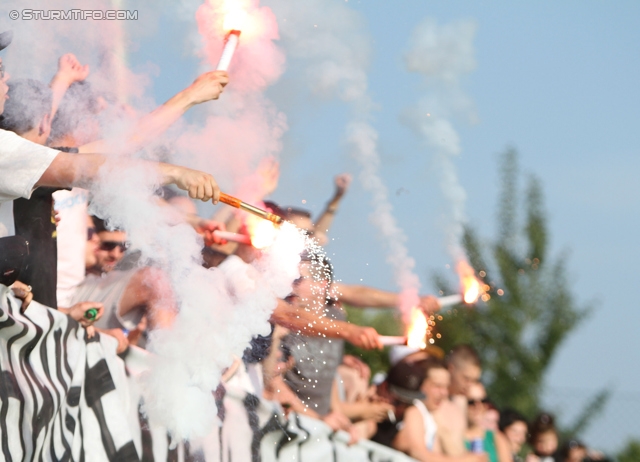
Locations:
(206, 87)
(69, 71)
(68, 170)
(321, 228)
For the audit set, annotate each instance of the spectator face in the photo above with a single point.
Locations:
(113, 245)
(463, 375)
(516, 434)
(93, 242)
(312, 285)
(546, 443)
(4, 88)
(477, 405)
(436, 388)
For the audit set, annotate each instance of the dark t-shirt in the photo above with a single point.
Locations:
(35, 221)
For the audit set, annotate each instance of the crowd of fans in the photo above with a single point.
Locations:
(430, 406)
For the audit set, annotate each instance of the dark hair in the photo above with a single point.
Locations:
(275, 209)
(101, 225)
(433, 363)
(508, 417)
(294, 211)
(29, 101)
(463, 354)
(79, 102)
(543, 423)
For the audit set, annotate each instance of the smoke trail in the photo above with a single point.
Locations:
(443, 54)
(329, 37)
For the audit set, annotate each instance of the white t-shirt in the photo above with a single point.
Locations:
(72, 241)
(22, 163)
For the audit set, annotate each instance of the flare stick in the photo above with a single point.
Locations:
(231, 43)
(450, 300)
(233, 237)
(237, 203)
(388, 340)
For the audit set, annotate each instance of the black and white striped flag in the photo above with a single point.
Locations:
(63, 397)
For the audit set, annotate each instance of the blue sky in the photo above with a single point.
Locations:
(556, 80)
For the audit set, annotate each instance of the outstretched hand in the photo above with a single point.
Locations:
(70, 69)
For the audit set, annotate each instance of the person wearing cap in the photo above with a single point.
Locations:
(418, 436)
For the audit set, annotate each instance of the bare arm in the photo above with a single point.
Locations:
(68, 170)
(411, 441)
(69, 71)
(321, 228)
(310, 323)
(206, 87)
(502, 447)
(365, 297)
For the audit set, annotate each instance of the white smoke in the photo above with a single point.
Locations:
(220, 310)
(330, 39)
(443, 55)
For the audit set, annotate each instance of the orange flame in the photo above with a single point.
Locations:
(418, 327)
(471, 287)
(263, 232)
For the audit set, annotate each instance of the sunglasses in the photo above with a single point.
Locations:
(473, 402)
(108, 246)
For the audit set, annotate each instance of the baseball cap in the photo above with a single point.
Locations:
(5, 39)
(404, 380)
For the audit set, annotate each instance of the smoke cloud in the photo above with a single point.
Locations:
(443, 55)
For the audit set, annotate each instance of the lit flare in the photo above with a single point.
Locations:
(471, 287)
(418, 328)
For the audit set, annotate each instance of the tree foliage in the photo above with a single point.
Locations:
(531, 310)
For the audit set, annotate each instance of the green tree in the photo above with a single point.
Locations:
(530, 310)
(630, 453)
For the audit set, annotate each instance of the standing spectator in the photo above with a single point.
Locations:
(477, 437)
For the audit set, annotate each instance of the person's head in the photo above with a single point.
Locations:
(76, 120)
(5, 40)
(573, 451)
(435, 384)
(93, 242)
(113, 244)
(27, 111)
(316, 276)
(514, 426)
(543, 436)
(463, 363)
(301, 218)
(476, 404)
